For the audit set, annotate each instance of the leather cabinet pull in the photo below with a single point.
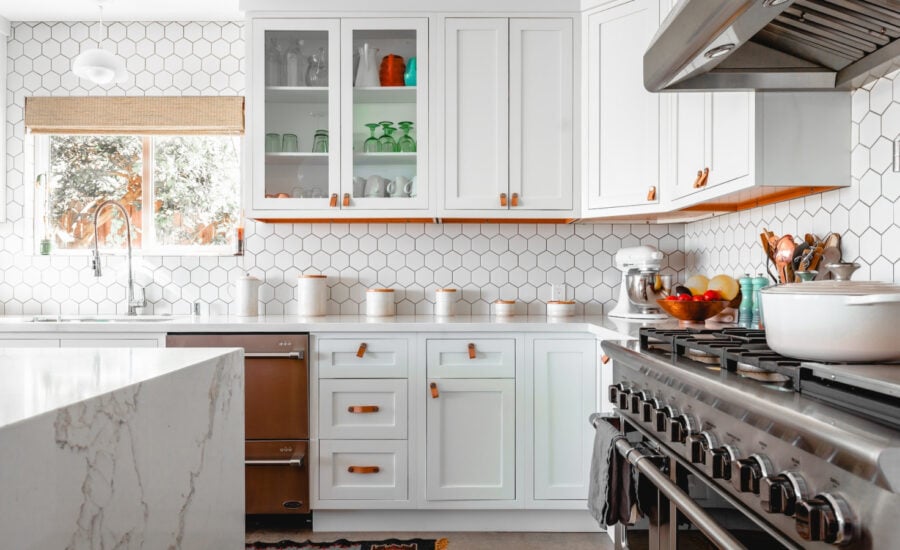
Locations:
(502, 199)
(699, 179)
(604, 359)
(363, 409)
(362, 350)
(346, 199)
(515, 199)
(363, 469)
(434, 390)
(651, 194)
(333, 201)
(705, 177)
(471, 351)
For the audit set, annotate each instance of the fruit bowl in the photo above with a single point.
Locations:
(692, 311)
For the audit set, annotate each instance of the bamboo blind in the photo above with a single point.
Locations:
(135, 115)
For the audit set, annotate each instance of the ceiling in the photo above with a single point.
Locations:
(121, 10)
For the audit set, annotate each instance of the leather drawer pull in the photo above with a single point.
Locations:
(362, 350)
(704, 178)
(333, 202)
(699, 179)
(604, 359)
(363, 469)
(515, 199)
(346, 199)
(434, 391)
(651, 195)
(363, 409)
(471, 351)
(502, 199)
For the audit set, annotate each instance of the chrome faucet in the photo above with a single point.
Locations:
(135, 299)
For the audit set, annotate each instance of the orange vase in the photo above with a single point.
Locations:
(392, 69)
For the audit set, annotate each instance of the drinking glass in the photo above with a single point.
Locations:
(317, 69)
(290, 143)
(388, 145)
(406, 144)
(273, 143)
(372, 145)
(320, 141)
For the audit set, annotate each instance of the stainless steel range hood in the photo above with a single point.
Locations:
(774, 45)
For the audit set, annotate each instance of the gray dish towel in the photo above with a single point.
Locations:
(610, 485)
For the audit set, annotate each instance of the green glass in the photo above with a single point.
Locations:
(406, 144)
(372, 145)
(388, 145)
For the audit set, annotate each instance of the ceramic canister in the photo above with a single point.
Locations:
(248, 296)
(505, 308)
(380, 302)
(560, 308)
(312, 295)
(445, 302)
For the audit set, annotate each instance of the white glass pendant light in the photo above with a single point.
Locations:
(98, 65)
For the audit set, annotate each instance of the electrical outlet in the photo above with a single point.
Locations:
(558, 291)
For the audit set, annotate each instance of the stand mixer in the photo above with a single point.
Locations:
(639, 289)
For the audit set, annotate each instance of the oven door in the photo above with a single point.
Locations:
(277, 477)
(686, 510)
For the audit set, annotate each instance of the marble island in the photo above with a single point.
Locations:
(121, 448)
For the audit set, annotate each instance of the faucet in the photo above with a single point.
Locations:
(133, 302)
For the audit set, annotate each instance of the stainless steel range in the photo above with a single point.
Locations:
(757, 450)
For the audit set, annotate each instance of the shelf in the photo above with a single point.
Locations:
(386, 94)
(316, 159)
(296, 94)
(377, 159)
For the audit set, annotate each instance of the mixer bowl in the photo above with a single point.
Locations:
(644, 289)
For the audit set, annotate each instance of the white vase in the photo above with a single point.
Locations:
(367, 75)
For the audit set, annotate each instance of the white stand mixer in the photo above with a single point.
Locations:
(637, 293)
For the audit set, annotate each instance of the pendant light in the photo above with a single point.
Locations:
(98, 65)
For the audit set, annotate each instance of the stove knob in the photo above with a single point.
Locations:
(663, 416)
(748, 472)
(718, 463)
(648, 410)
(824, 518)
(701, 446)
(780, 493)
(680, 427)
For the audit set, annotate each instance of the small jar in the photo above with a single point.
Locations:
(380, 302)
(312, 295)
(445, 302)
(247, 302)
(505, 308)
(560, 308)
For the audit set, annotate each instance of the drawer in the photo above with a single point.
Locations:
(362, 409)
(362, 357)
(362, 470)
(472, 358)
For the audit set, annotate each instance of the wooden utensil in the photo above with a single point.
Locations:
(784, 256)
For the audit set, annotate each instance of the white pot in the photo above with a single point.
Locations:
(834, 321)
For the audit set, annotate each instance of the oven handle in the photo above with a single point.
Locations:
(298, 462)
(298, 355)
(719, 536)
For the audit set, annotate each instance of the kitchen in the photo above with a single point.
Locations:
(609, 164)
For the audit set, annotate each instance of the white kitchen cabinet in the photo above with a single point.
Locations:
(623, 143)
(564, 382)
(509, 117)
(363, 470)
(470, 440)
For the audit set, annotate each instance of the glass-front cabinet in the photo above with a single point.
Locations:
(338, 118)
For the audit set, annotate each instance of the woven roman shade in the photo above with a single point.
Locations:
(135, 115)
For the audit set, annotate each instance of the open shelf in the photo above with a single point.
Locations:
(385, 94)
(377, 159)
(318, 159)
(296, 94)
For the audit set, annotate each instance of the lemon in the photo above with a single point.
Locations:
(726, 286)
(698, 284)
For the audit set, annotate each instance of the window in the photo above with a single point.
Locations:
(172, 162)
(181, 192)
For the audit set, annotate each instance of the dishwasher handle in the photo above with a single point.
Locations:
(297, 461)
(298, 355)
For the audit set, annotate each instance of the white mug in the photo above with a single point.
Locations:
(359, 186)
(375, 186)
(398, 187)
(409, 189)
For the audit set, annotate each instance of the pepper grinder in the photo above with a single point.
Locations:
(746, 283)
(759, 282)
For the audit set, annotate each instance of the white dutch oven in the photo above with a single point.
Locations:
(835, 321)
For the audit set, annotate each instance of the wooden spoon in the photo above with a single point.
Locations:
(784, 257)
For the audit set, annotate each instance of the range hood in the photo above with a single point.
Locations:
(774, 45)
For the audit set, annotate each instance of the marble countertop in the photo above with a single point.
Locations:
(38, 381)
(602, 326)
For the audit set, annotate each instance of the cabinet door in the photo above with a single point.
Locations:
(286, 113)
(690, 121)
(470, 440)
(540, 120)
(623, 117)
(477, 113)
(393, 175)
(565, 395)
(730, 124)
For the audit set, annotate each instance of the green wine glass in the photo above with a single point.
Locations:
(406, 144)
(372, 145)
(388, 145)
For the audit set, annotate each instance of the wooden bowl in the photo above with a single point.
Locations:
(692, 311)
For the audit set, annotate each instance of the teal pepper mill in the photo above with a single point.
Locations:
(759, 282)
(746, 283)
(409, 77)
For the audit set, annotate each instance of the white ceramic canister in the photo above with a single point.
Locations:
(505, 308)
(248, 296)
(380, 302)
(445, 302)
(312, 295)
(560, 308)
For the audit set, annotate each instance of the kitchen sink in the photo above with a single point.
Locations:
(101, 319)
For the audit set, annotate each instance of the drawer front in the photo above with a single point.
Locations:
(277, 477)
(362, 409)
(362, 470)
(362, 357)
(472, 358)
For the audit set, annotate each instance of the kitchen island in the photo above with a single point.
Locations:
(121, 448)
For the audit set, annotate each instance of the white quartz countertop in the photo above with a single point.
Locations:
(38, 381)
(604, 327)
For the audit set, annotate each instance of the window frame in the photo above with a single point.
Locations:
(149, 244)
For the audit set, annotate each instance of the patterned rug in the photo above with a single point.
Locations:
(390, 544)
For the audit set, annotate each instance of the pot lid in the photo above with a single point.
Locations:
(844, 288)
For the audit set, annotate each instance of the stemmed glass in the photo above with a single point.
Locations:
(406, 144)
(372, 145)
(388, 145)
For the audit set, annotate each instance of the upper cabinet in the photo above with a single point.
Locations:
(508, 123)
(338, 118)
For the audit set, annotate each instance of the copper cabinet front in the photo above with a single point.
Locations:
(276, 398)
(277, 477)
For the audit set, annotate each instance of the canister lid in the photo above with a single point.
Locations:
(312, 276)
(445, 290)
(505, 302)
(248, 277)
(561, 302)
(380, 290)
